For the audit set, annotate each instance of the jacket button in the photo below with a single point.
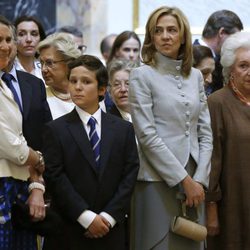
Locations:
(186, 133)
(178, 67)
(179, 85)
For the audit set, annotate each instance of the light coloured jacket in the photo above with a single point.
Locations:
(14, 151)
(171, 121)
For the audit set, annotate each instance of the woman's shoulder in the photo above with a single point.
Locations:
(220, 97)
(143, 72)
(195, 72)
(143, 68)
(220, 94)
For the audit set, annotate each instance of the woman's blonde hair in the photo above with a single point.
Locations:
(63, 43)
(185, 52)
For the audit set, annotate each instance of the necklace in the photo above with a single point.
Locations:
(239, 94)
(59, 95)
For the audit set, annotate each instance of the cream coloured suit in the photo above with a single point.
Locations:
(13, 147)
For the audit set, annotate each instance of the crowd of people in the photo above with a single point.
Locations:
(118, 147)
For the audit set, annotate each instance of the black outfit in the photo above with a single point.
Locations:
(36, 110)
(114, 111)
(76, 184)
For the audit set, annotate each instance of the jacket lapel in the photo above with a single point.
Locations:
(107, 138)
(79, 134)
(6, 91)
(114, 111)
(26, 92)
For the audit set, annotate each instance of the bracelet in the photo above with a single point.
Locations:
(36, 185)
(39, 180)
(40, 161)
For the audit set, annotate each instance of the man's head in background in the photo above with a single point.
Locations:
(106, 45)
(76, 34)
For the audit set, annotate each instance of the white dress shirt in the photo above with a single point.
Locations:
(36, 71)
(16, 84)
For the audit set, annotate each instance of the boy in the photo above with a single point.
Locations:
(91, 164)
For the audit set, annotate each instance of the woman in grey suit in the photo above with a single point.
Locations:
(171, 120)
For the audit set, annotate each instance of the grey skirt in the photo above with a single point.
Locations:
(154, 205)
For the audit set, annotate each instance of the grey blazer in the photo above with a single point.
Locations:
(171, 121)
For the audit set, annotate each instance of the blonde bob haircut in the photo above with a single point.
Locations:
(63, 43)
(185, 51)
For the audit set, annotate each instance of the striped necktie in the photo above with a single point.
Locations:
(94, 140)
(8, 80)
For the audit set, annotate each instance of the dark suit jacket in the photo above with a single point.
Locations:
(36, 110)
(76, 185)
(114, 111)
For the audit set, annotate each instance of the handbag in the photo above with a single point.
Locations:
(20, 219)
(184, 226)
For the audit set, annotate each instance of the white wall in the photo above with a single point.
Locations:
(119, 15)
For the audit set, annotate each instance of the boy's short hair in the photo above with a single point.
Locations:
(94, 64)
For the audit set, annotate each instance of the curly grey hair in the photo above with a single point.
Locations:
(120, 64)
(228, 51)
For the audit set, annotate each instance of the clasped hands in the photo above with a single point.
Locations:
(98, 228)
(195, 195)
(194, 191)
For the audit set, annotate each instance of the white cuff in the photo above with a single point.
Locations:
(86, 218)
(109, 218)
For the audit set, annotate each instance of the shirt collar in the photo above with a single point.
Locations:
(202, 42)
(167, 65)
(13, 73)
(19, 66)
(125, 115)
(84, 116)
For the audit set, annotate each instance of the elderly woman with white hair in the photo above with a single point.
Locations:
(56, 51)
(228, 202)
(119, 70)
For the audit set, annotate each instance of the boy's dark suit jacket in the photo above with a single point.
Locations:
(36, 110)
(75, 183)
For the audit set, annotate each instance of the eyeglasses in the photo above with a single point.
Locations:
(82, 48)
(117, 85)
(50, 63)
